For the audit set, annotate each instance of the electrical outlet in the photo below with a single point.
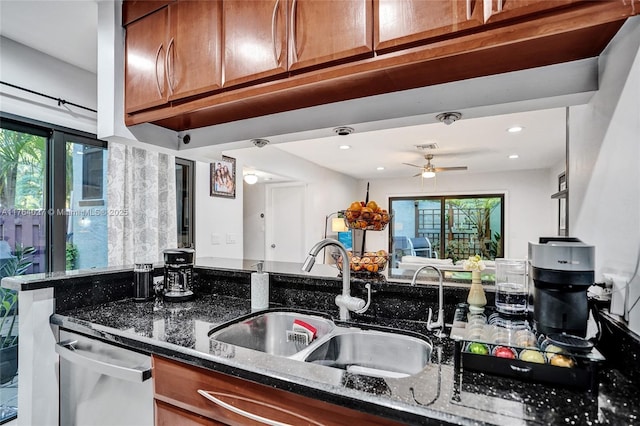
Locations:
(231, 238)
(215, 239)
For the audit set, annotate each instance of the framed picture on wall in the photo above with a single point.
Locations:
(223, 178)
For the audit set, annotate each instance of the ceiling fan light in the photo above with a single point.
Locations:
(250, 178)
(428, 174)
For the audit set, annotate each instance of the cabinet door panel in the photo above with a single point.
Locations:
(168, 415)
(255, 39)
(177, 384)
(325, 31)
(193, 53)
(507, 9)
(403, 22)
(145, 84)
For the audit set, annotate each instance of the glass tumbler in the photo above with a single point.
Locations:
(511, 286)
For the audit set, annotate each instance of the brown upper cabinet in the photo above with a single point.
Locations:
(401, 23)
(329, 31)
(173, 53)
(255, 39)
(501, 10)
(136, 9)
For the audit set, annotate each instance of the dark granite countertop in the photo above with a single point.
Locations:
(179, 331)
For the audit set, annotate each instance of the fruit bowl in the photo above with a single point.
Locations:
(366, 216)
(372, 262)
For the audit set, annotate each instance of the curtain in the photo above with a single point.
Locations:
(143, 184)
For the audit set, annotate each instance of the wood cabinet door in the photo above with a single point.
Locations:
(502, 10)
(234, 401)
(255, 40)
(145, 52)
(401, 23)
(194, 49)
(326, 31)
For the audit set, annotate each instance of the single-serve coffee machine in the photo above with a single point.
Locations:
(562, 269)
(178, 274)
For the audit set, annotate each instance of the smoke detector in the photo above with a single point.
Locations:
(449, 118)
(260, 143)
(344, 130)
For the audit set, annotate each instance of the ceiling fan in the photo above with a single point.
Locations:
(429, 171)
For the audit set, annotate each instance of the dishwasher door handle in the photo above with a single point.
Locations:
(74, 355)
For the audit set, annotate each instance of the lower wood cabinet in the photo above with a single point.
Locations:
(188, 395)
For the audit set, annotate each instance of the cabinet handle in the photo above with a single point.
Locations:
(276, 57)
(157, 79)
(209, 395)
(294, 48)
(169, 66)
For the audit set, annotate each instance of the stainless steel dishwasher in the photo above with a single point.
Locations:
(103, 384)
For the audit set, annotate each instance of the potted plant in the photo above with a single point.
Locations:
(16, 264)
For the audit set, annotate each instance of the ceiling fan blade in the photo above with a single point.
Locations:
(448, 169)
(413, 165)
(417, 174)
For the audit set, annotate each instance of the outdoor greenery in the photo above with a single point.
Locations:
(72, 256)
(477, 216)
(21, 170)
(17, 265)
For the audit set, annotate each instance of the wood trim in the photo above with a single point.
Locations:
(177, 384)
(577, 33)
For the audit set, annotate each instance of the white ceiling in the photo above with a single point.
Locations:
(67, 30)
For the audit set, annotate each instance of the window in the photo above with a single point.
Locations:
(453, 227)
(92, 173)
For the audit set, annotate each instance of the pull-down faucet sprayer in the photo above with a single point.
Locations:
(345, 301)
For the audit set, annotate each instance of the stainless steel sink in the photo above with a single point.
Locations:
(373, 353)
(267, 332)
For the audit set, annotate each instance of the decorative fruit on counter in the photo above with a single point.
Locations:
(368, 262)
(478, 348)
(531, 355)
(504, 352)
(369, 216)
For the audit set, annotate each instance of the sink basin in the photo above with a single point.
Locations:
(373, 353)
(267, 332)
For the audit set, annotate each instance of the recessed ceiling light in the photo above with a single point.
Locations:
(345, 146)
(380, 168)
(513, 156)
(514, 129)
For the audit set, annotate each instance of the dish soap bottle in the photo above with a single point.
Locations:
(259, 289)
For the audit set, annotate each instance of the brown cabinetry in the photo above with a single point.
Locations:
(501, 10)
(326, 31)
(255, 39)
(172, 53)
(399, 23)
(192, 392)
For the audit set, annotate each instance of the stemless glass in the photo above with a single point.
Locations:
(511, 286)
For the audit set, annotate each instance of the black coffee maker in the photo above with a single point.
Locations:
(562, 269)
(178, 274)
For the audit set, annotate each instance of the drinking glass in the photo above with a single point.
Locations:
(511, 286)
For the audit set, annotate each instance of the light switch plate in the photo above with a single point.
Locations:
(215, 239)
(231, 238)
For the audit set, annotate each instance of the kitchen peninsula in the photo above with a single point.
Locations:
(99, 304)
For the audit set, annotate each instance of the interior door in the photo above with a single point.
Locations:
(284, 233)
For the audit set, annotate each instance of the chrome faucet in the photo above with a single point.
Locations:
(345, 301)
(440, 322)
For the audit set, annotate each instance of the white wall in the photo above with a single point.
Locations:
(529, 210)
(218, 220)
(604, 181)
(33, 70)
